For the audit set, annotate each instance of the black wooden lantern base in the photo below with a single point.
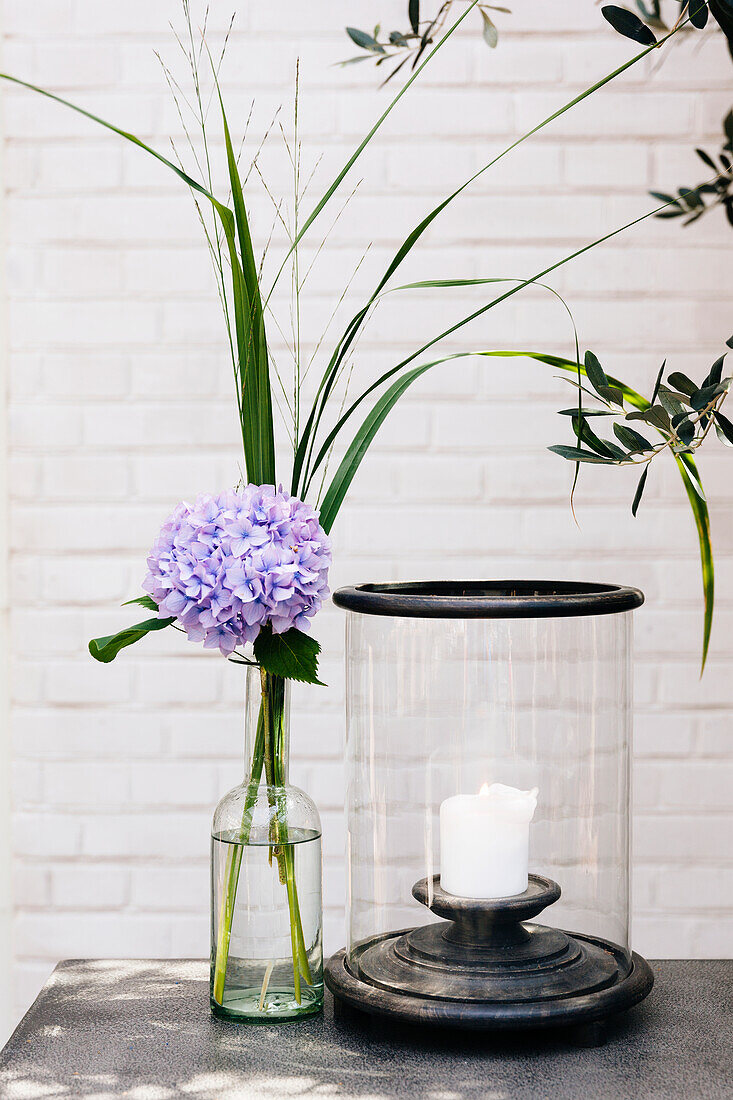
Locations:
(484, 967)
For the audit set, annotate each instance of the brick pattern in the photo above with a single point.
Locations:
(120, 404)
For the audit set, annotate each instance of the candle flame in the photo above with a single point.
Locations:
(484, 789)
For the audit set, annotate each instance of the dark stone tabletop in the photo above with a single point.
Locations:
(142, 1029)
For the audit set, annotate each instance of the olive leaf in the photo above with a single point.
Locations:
(685, 430)
(683, 383)
(413, 14)
(595, 372)
(632, 440)
(366, 41)
(577, 454)
(639, 491)
(628, 24)
(690, 202)
(491, 35)
(723, 428)
(698, 13)
(600, 446)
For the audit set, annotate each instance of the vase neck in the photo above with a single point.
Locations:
(266, 729)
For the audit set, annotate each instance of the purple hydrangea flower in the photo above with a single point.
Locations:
(230, 563)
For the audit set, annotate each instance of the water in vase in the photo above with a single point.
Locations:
(274, 967)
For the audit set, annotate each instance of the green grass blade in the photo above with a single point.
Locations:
(258, 430)
(346, 472)
(307, 442)
(688, 471)
(332, 188)
(188, 180)
(631, 395)
(313, 464)
(259, 456)
(534, 279)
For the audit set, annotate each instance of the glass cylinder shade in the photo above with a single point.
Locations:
(515, 697)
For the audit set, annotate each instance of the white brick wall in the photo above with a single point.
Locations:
(120, 403)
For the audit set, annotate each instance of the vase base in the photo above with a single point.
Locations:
(630, 982)
(243, 1005)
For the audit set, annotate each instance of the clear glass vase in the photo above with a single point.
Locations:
(266, 909)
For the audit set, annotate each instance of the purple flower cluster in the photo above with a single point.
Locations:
(230, 563)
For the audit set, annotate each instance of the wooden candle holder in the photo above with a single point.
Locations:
(487, 966)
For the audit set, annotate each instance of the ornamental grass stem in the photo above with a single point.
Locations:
(269, 754)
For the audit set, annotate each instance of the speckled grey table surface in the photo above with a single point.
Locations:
(142, 1029)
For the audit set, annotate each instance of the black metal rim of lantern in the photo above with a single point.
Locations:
(514, 975)
(513, 599)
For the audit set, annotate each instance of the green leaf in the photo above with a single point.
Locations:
(586, 412)
(691, 481)
(413, 14)
(656, 415)
(652, 15)
(690, 197)
(601, 446)
(658, 382)
(597, 378)
(685, 430)
(664, 197)
(704, 396)
(723, 428)
(715, 373)
(706, 159)
(688, 471)
(292, 655)
(612, 394)
(728, 126)
(595, 372)
(363, 40)
(142, 601)
(106, 649)
(639, 491)
(490, 33)
(682, 383)
(577, 454)
(632, 440)
(670, 403)
(353, 60)
(628, 24)
(698, 13)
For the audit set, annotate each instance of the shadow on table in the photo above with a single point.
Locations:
(142, 1029)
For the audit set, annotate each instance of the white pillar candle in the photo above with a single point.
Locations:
(484, 842)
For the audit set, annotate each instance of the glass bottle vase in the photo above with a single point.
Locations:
(266, 909)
